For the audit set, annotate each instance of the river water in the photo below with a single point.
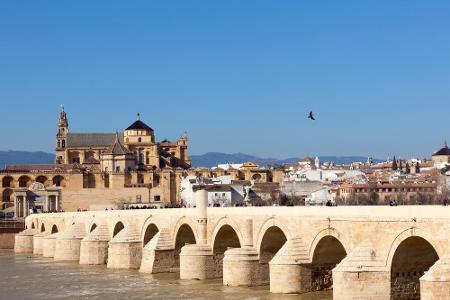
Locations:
(34, 277)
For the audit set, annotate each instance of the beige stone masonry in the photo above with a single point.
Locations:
(67, 243)
(362, 265)
(289, 268)
(23, 241)
(435, 284)
(158, 255)
(94, 247)
(125, 249)
(48, 245)
(37, 242)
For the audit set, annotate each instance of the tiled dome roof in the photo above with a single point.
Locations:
(444, 151)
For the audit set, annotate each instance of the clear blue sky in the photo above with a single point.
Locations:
(239, 76)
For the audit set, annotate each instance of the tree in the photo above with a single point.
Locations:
(394, 164)
(407, 169)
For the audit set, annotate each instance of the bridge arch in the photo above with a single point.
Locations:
(150, 231)
(118, 227)
(145, 229)
(54, 229)
(181, 222)
(328, 248)
(226, 221)
(225, 236)
(184, 235)
(411, 255)
(92, 227)
(411, 232)
(333, 232)
(272, 222)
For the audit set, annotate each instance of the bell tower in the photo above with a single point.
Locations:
(61, 137)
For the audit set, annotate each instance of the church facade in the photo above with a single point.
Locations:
(99, 171)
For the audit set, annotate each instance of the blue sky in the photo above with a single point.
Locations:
(239, 76)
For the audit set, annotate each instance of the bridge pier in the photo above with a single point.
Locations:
(196, 261)
(37, 242)
(67, 243)
(362, 275)
(241, 265)
(125, 250)
(94, 247)
(435, 284)
(158, 256)
(48, 245)
(290, 270)
(23, 241)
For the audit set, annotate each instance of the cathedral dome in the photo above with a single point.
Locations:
(444, 151)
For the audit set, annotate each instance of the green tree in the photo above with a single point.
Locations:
(394, 164)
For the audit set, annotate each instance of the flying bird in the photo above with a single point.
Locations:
(311, 116)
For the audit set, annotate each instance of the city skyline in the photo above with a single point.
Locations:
(241, 77)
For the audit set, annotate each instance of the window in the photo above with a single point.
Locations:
(138, 199)
(223, 194)
(59, 144)
(157, 198)
(141, 158)
(117, 169)
(75, 160)
(139, 140)
(63, 144)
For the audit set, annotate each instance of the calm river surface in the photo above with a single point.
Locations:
(34, 277)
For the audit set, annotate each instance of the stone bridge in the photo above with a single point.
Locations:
(361, 252)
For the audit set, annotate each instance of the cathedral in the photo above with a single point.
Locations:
(99, 171)
(135, 149)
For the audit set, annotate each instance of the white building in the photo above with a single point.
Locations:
(221, 191)
(320, 197)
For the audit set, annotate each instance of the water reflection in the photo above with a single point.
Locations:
(34, 277)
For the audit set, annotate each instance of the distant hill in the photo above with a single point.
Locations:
(11, 157)
(212, 159)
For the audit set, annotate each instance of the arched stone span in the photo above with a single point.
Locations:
(150, 231)
(272, 222)
(272, 241)
(413, 257)
(184, 221)
(117, 228)
(226, 221)
(42, 227)
(150, 220)
(225, 238)
(411, 232)
(327, 253)
(54, 228)
(328, 232)
(185, 235)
